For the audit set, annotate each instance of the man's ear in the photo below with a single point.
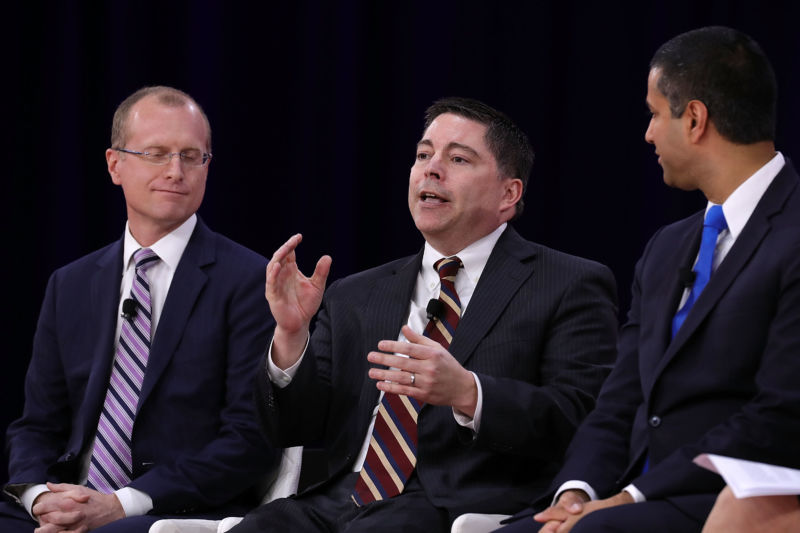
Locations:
(696, 116)
(112, 159)
(512, 193)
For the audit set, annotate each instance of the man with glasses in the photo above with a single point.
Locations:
(138, 397)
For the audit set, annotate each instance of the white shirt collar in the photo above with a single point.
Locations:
(169, 248)
(474, 257)
(743, 201)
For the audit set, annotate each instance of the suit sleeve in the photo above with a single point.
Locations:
(296, 414)
(39, 437)
(600, 451)
(538, 416)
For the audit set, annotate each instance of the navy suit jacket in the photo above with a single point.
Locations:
(196, 443)
(539, 332)
(726, 384)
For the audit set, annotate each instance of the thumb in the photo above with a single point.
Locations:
(321, 271)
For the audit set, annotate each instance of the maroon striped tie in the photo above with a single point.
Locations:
(392, 454)
(111, 465)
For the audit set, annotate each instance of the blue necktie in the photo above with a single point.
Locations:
(714, 223)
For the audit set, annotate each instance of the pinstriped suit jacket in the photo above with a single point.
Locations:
(540, 333)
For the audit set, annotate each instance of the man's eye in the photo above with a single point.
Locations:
(459, 159)
(422, 156)
(192, 156)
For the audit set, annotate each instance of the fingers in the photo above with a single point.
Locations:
(552, 514)
(408, 378)
(397, 388)
(569, 504)
(77, 493)
(287, 248)
(62, 519)
(550, 527)
(280, 257)
(573, 500)
(321, 271)
(52, 528)
(48, 528)
(417, 338)
(413, 350)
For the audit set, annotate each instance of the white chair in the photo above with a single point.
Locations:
(475, 523)
(281, 484)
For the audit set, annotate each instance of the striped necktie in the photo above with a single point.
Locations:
(392, 454)
(111, 464)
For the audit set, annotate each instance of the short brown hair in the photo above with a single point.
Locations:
(168, 96)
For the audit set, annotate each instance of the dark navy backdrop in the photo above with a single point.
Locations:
(316, 109)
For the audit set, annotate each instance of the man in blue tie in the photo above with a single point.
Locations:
(709, 359)
(138, 394)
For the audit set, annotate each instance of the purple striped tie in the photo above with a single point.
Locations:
(111, 465)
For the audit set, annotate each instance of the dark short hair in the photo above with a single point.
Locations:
(509, 144)
(727, 71)
(167, 96)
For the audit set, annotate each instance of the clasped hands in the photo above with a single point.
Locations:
(71, 508)
(572, 505)
(438, 378)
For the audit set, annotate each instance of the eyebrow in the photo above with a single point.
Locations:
(451, 146)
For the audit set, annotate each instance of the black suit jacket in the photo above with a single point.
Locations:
(726, 384)
(196, 444)
(539, 332)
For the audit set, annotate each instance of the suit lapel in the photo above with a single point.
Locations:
(386, 313)
(743, 249)
(187, 283)
(509, 265)
(104, 288)
(671, 287)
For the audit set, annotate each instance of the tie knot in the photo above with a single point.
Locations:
(715, 218)
(145, 258)
(447, 267)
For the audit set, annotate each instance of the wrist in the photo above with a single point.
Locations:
(287, 346)
(467, 403)
(624, 497)
(582, 494)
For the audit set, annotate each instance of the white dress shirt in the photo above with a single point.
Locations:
(474, 258)
(737, 209)
(170, 250)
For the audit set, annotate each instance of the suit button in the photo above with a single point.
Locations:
(655, 421)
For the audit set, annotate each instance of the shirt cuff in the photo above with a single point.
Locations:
(637, 495)
(575, 484)
(473, 423)
(29, 496)
(134, 502)
(280, 377)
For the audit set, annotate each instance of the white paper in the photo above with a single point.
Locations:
(748, 478)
